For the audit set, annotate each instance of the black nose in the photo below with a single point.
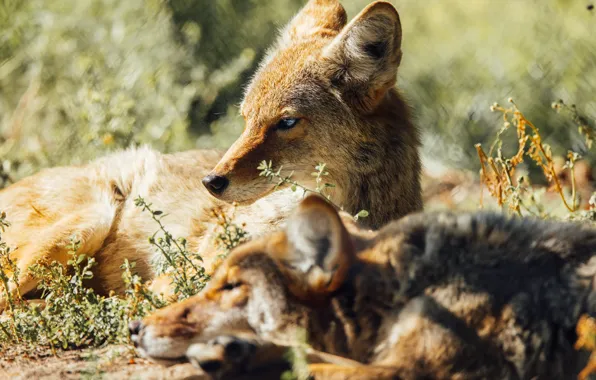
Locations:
(234, 349)
(210, 366)
(215, 184)
(134, 327)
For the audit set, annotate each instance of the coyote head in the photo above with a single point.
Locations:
(320, 95)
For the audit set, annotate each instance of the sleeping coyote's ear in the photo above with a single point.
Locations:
(320, 249)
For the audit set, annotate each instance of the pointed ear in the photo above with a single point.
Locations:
(318, 18)
(362, 60)
(321, 250)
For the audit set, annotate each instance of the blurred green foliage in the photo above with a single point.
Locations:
(461, 56)
(80, 78)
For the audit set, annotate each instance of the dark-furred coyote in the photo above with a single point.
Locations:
(432, 296)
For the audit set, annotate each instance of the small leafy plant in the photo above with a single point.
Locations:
(231, 235)
(70, 314)
(8, 273)
(141, 301)
(183, 266)
(297, 357)
(67, 298)
(268, 171)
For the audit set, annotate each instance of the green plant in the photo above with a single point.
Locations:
(268, 171)
(141, 301)
(70, 314)
(74, 315)
(297, 357)
(231, 235)
(188, 276)
(8, 272)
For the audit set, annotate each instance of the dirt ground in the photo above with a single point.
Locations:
(107, 363)
(112, 362)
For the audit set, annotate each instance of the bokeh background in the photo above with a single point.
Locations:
(82, 78)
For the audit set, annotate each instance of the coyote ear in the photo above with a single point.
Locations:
(363, 59)
(320, 247)
(318, 17)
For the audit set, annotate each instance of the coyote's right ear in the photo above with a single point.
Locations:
(320, 248)
(362, 60)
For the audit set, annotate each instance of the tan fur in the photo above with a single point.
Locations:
(433, 296)
(320, 71)
(95, 203)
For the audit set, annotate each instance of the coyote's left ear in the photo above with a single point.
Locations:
(363, 59)
(320, 248)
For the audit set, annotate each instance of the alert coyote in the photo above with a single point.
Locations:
(324, 93)
(432, 296)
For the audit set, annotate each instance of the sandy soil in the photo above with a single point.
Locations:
(112, 362)
(108, 363)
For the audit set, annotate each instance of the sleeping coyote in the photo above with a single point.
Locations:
(432, 296)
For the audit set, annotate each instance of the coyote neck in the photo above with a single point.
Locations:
(385, 178)
(348, 325)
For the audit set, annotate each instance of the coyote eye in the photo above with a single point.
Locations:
(285, 124)
(231, 285)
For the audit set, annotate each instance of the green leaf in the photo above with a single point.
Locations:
(362, 214)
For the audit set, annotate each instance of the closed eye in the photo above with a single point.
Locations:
(230, 286)
(287, 123)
